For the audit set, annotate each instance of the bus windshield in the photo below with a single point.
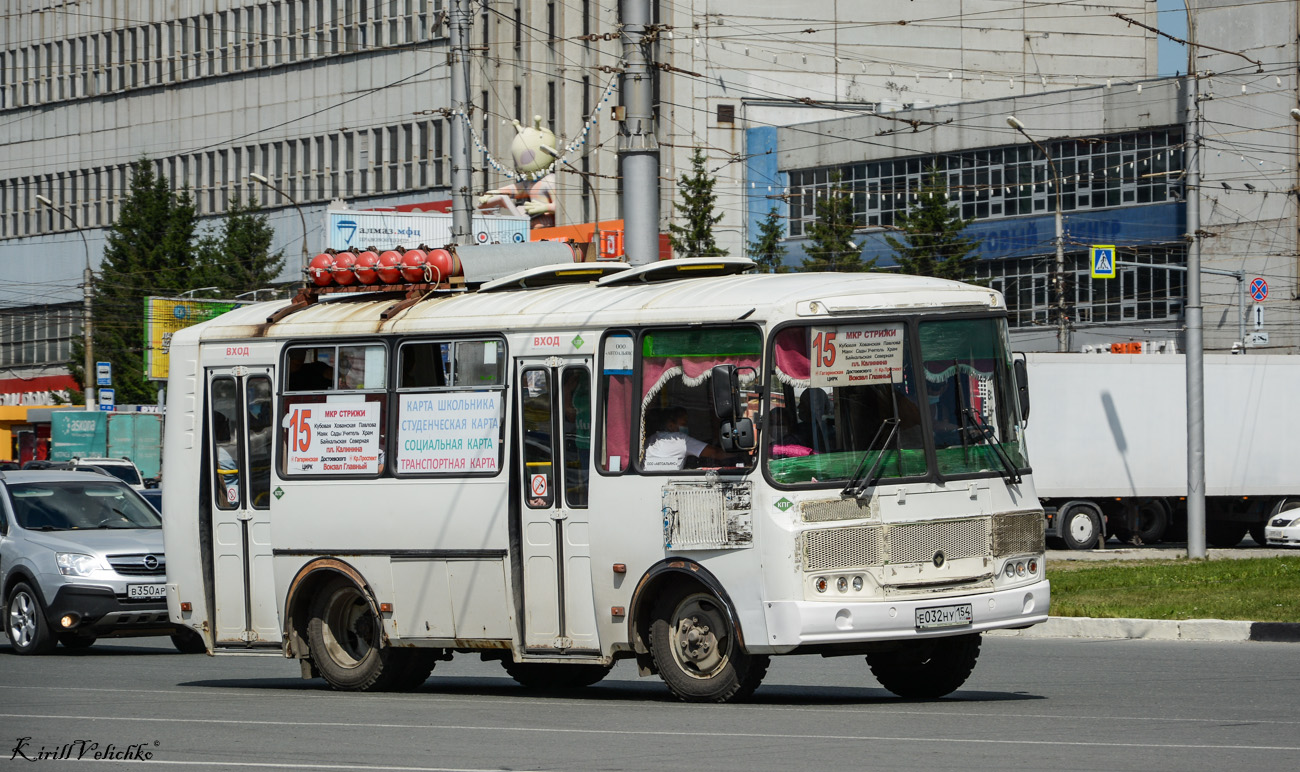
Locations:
(849, 398)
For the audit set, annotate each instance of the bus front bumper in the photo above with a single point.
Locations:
(791, 624)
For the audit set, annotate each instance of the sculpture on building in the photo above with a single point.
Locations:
(533, 191)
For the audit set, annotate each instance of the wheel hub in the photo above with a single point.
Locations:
(696, 645)
(22, 620)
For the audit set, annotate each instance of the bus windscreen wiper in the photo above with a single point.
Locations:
(858, 483)
(981, 432)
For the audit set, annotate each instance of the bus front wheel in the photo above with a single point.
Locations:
(696, 651)
(346, 640)
(927, 669)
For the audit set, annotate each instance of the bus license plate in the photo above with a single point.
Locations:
(147, 591)
(943, 616)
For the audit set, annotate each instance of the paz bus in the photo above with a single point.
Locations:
(685, 464)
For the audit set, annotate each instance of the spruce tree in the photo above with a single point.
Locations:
(149, 252)
(695, 238)
(830, 236)
(932, 244)
(236, 256)
(768, 250)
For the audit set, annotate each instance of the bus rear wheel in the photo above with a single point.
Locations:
(696, 651)
(927, 669)
(553, 677)
(346, 641)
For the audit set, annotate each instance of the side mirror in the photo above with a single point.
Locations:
(739, 436)
(726, 391)
(1022, 387)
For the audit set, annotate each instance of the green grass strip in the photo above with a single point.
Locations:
(1255, 589)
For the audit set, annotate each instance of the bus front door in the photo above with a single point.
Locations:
(239, 435)
(554, 426)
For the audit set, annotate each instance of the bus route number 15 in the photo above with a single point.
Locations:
(300, 430)
(824, 348)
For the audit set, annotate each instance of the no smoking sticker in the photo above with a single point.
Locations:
(538, 485)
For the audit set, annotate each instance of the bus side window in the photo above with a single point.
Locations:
(226, 447)
(258, 398)
(539, 448)
(616, 389)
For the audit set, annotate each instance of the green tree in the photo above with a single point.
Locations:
(236, 256)
(149, 252)
(768, 250)
(931, 243)
(830, 236)
(695, 238)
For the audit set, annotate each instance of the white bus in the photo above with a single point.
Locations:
(684, 464)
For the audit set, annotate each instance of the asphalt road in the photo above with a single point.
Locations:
(1030, 705)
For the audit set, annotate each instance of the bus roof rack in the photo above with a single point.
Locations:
(679, 268)
(551, 275)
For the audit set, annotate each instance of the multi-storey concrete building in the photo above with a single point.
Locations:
(347, 99)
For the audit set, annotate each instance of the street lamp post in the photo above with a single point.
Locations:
(1062, 332)
(87, 328)
(305, 258)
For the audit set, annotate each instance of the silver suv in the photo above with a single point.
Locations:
(81, 557)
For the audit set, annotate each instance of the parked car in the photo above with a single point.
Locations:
(81, 556)
(121, 468)
(42, 463)
(1283, 529)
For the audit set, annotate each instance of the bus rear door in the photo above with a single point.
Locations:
(240, 434)
(554, 427)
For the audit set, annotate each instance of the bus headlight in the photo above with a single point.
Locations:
(842, 584)
(857, 584)
(1010, 570)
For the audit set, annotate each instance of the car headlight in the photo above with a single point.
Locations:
(76, 564)
(1294, 523)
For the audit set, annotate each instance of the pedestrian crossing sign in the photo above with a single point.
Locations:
(1102, 259)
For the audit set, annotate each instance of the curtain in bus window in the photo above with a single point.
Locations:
(618, 423)
(793, 366)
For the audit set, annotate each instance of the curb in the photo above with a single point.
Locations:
(1210, 630)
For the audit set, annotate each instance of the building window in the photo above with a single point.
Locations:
(1095, 173)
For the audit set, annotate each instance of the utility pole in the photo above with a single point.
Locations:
(1192, 311)
(638, 146)
(87, 318)
(462, 226)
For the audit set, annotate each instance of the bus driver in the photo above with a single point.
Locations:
(669, 446)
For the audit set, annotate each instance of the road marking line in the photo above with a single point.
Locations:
(651, 733)
(877, 705)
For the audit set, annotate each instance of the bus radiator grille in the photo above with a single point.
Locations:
(1017, 534)
(877, 545)
(707, 516)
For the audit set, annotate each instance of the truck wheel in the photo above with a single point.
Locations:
(696, 651)
(29, 632)
(1081, 529)
(1224, 533)
(1152, 521)
(346, 641)
(927, 669)
(552, 677)
(1257, 533)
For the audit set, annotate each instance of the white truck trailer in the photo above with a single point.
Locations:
(1108, 441)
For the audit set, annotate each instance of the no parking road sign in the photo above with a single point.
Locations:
(1259, 289)
(1102, 260)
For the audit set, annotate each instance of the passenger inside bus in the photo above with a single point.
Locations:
(782, 434)
(316, 375)
(669, 444)
(227, 466)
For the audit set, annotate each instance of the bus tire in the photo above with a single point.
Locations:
(187, 641)
(554, 677)
(414, 671)
(346, 641)
(696, 651)
(927, 669)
